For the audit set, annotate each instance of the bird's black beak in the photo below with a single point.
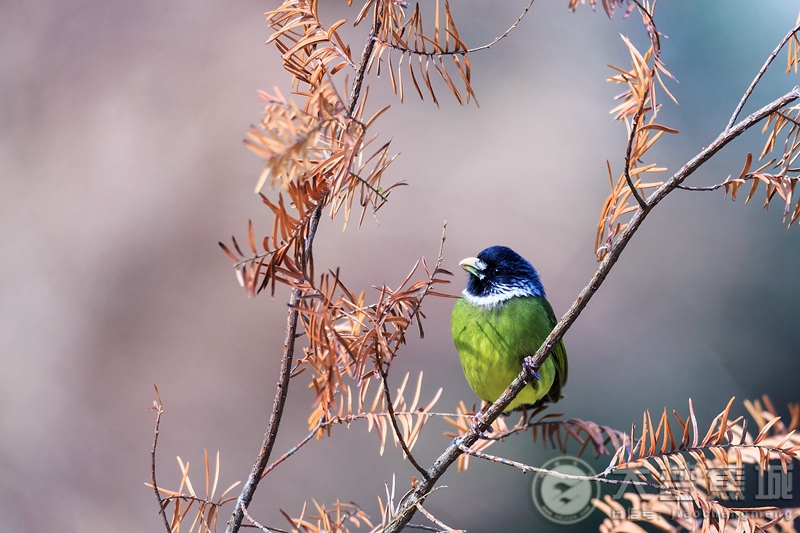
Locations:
(474, 267)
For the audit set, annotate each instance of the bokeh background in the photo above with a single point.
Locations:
(122, 165)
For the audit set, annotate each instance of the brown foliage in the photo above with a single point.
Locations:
(402, 39)
(321, 154)
(660, 454)
(309, 50)
(637, 111)
(317, 156)
(781, 125)
(206, 507)
(555, 433)
(329, 520)
(347, 337)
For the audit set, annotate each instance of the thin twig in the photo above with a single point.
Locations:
(436, 521)
(253, 521)
(429, 285)
(450, 455)
(729, 181)
(634, 130)
(252, 259)
(424, 528)
(601, 478)
(760, 74)
(159, 409)
(294, 448)
(371, 187)
(561, 475)
(709, 188)
(393, 418)
(566, 424)
(442, 53)
(196, 499)
(789, 118)
(505, 34)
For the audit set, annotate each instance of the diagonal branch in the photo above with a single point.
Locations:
(294, 448)
(451, 454)
(760, 74)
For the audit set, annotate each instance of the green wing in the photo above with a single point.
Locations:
(559, 357)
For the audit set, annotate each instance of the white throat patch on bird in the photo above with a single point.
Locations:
(495, 299)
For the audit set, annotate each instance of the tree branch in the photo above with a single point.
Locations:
(728, 181)
(760, 74)
(450, 455)
(362, 66)
(249, 488)
(561, 475)
(709, 188)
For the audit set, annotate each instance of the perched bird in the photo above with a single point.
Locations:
(501, 318)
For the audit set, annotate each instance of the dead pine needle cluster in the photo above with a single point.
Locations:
(323, 155)
(702, 476)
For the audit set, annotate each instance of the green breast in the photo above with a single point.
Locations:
(492, 342)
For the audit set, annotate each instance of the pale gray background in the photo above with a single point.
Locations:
(121, 166)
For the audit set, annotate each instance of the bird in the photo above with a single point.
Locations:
(502, 318)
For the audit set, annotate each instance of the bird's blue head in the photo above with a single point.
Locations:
(497, 274)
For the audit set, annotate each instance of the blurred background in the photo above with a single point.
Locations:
(122, 165)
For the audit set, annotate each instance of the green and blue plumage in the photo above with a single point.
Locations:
(502, 317)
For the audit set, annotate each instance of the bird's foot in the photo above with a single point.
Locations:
(531, 370)
(478, 420)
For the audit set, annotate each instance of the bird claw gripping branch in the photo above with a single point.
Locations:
(531, 370)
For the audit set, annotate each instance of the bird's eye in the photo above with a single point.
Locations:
(497, 271)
